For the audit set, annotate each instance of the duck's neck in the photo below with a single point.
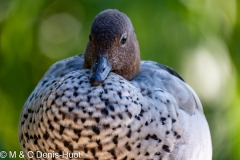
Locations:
(130, 71)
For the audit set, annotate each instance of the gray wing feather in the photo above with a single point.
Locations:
(63, 67)
(179, 102)
(160, 77)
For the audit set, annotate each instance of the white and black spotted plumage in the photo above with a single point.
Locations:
(155, 115)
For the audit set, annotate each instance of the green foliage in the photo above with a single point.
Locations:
(35, 34)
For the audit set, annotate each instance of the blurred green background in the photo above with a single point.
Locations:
(200, 39)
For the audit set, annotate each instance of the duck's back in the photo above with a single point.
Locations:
(154, 116)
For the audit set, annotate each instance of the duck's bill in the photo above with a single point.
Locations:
(100, 69)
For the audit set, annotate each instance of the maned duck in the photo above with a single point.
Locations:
(107, 104)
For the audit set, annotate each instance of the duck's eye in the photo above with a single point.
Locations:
(90, 37)
(124, 39)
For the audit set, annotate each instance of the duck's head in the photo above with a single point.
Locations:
(112, 46)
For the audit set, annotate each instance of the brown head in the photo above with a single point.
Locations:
(112, 46)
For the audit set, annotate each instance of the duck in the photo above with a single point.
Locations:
(108, 104)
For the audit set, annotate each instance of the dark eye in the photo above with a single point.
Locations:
(90, 37)
(124, 39)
